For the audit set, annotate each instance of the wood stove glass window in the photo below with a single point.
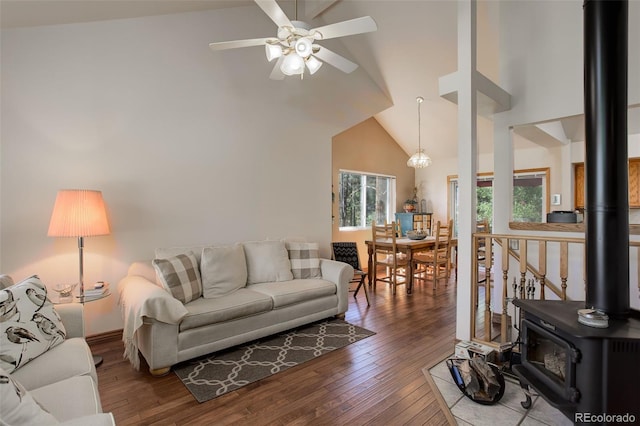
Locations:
(549, 357)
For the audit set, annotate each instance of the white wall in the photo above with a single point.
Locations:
(433, 179)
(542, 68)
(189, 146)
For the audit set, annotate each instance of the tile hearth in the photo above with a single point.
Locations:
(507, 412)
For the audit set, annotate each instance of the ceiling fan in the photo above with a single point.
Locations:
(295, 47)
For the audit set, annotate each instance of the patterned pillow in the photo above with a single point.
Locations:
(305, 262)
(29, 326)
(179, 275)
(18, 406)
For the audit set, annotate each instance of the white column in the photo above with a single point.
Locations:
(502, 199)
(467, 160)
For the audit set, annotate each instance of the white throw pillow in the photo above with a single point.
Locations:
(29, 326)
(18, 407)
(267, 261)
(305, 262)
(223, 270)
(179, 275)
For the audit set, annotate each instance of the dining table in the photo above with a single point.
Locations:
(407, 246)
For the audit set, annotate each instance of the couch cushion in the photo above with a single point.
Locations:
(223, 270)
(267, 261)
(69, 398)
(305, 262)
(17, 405)
(29, 326)
(239, 304)
(295, 291)
(179, 275)
(71, 358)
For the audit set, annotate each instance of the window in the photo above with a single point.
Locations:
(364, 198)
(529, 194)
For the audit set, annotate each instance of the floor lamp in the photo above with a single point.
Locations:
(79, 213)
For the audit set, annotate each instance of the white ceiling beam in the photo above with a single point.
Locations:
(491, 97)
(313, 8)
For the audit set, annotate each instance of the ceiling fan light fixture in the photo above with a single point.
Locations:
(304, 47)
(419, 160)
(294, 45)
(292, 65)
(273, 51)
(313, 64)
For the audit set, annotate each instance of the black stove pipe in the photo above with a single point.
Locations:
(606, 157)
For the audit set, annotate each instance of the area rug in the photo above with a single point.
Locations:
(224, 371)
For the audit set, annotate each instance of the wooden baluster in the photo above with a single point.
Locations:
(523, 267)
(505, 284)
(542, 265)
(564, 267)
(487, 289)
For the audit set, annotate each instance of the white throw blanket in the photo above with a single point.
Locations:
(140, 299)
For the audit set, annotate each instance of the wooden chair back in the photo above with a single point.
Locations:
(387, 255)
(436, 263)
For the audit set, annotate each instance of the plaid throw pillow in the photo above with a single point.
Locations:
(179, 275)
(305, 262)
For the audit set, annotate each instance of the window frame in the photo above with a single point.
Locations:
(391, 198)
(484, 176)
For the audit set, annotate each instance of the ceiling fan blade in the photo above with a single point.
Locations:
(332, 58)
(223, 45)
(276, 73)
(271, 8)
(366, 24)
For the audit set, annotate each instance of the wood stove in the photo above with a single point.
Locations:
(592, 372)
(580, 369)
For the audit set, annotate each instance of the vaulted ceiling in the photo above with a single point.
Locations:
(415, 45)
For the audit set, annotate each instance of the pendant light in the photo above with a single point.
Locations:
(419, 160)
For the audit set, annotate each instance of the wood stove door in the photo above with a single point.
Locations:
(551, 359)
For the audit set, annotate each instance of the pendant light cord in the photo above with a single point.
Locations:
(419, 99)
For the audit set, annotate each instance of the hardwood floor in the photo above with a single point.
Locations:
(376, 381)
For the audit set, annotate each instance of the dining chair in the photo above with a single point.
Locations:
(435, 264)
(385, 253)
(347, 252)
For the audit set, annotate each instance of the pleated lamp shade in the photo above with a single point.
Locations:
(78, 213)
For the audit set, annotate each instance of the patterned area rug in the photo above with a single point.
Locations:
(222, 372)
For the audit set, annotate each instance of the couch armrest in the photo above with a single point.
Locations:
(340, 274)
(72, 318)
(140, 296)
(101, 419)
(140, 300)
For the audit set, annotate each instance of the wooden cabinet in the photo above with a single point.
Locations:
(579, 185)
(634, 184)
(413, 221)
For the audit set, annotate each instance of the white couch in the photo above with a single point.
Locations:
(265, 300)
(60, 385)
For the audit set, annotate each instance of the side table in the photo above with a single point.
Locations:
(57, 300)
